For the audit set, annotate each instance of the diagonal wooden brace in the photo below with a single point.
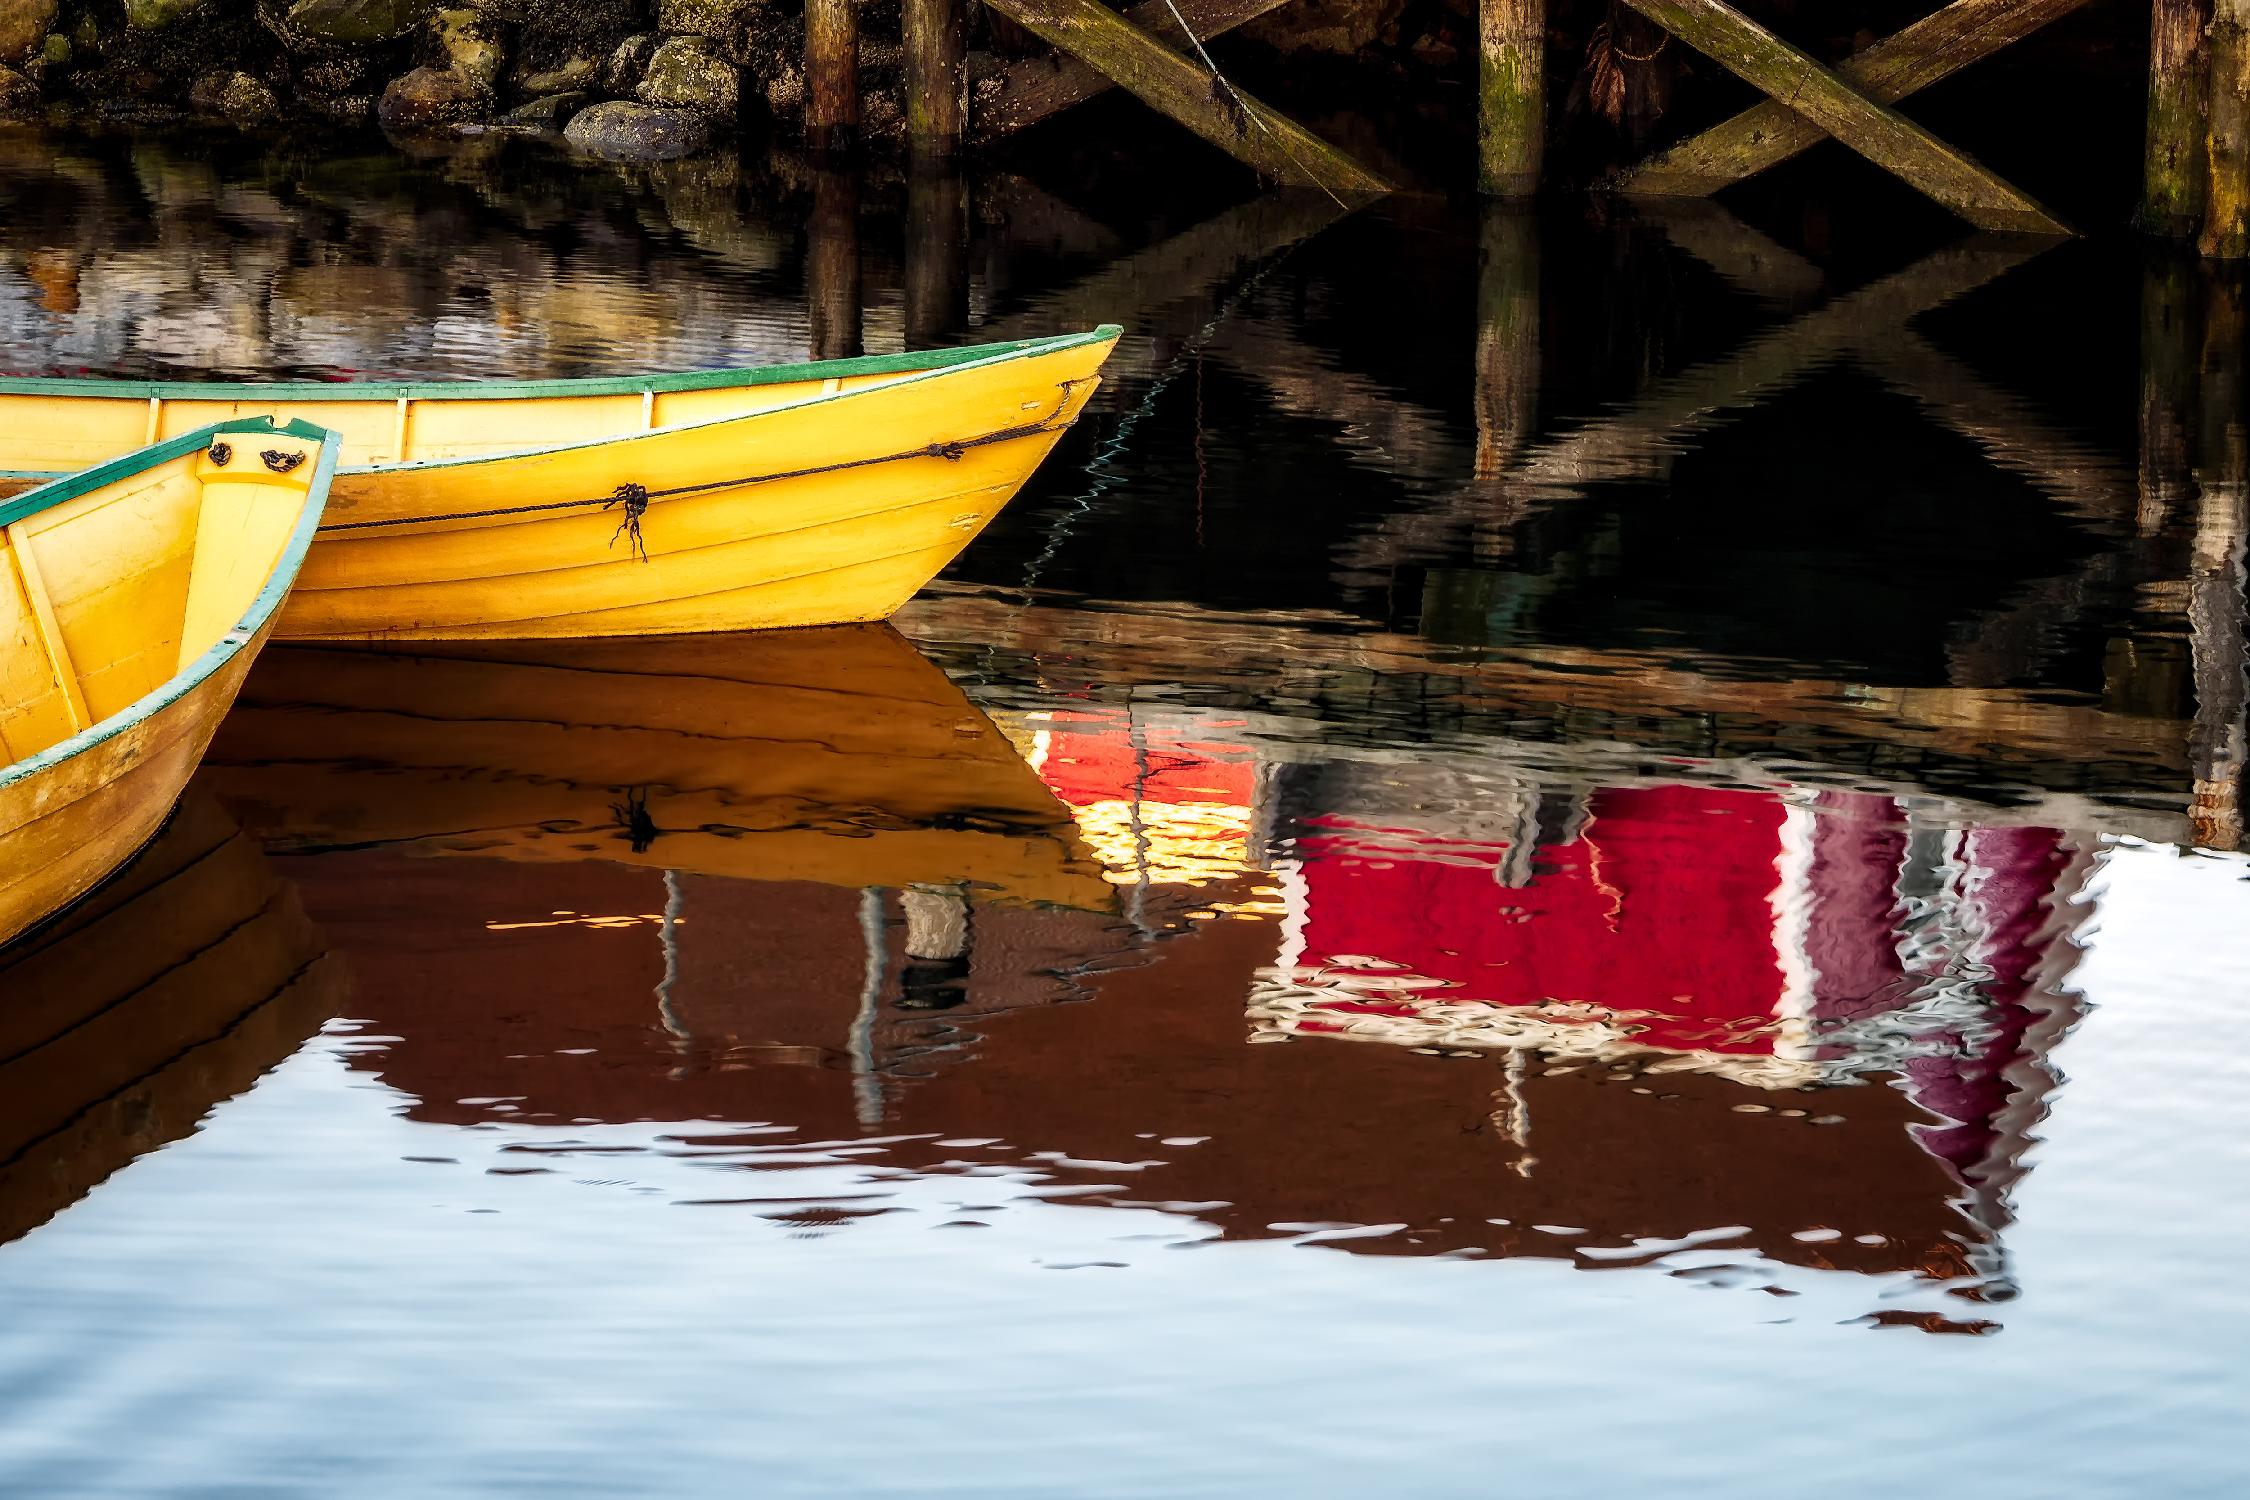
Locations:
(1767, 134)
(1037, 88)
(1188, 92)
(1836, 107)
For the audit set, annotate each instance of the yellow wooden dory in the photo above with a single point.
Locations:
(132, 600)
(721, 500)
(840, 756)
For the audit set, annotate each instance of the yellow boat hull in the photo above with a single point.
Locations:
(576, 509)
(132, 604)
(839, 756)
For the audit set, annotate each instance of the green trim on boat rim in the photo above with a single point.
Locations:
(522, 390)
(262, 608)
(990, 354)
(140, 460)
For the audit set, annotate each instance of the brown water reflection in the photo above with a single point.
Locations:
(1609, 1017)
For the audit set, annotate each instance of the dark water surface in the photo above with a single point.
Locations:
(1551, 857)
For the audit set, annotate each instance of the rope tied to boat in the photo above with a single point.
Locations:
(634, 498)
(635, 820)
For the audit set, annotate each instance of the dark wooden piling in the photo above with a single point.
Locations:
(1511, 96)
(2226, 207)
(831, 76)
(937, 254)
(936, 34)
(832, 291)
(2173, 179)
(2217, 616)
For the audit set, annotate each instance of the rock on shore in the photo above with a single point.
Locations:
(620, 131)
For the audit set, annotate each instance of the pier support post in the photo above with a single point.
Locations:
(1511, 96)
(936, 33)
(2218, 614)
(937, 254)
(832, 294)
(2173, 179)
(2226, 210)
(831, 76)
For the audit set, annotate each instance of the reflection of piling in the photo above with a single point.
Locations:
(2168, 365)
(1511, 95)
(936, 976)
(2216, 607)
(1507, 392)
(832, 266)
(937, 75)
(937, 254)
(2173, 183)
(831, 75)
(1507, 397)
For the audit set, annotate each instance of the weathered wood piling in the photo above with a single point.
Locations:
(1511, 96)
(936, 35)
(831, 76)
(2226, 205)
(2173, 181)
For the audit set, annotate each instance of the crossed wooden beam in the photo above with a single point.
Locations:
(1851, 103)
(1106, 46)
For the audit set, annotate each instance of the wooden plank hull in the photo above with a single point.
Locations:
(63, 831)
(169, 990)
(571, 509)
(133, 599)
(838, 756)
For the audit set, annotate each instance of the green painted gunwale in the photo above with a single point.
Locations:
(520, 390)
(262, 608)
(627, 441)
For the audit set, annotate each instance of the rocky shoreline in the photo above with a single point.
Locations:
(636, 80)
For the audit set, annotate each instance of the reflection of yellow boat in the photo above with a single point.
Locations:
(840, 756)
(132, 600)
(171, 988)
(725, 500)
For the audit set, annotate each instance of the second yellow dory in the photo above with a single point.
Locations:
(722, 500)
(132, 600)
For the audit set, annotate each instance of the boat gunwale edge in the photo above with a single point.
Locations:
(263, 607)
(906, 362)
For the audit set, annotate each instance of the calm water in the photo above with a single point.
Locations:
(1550, 857)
